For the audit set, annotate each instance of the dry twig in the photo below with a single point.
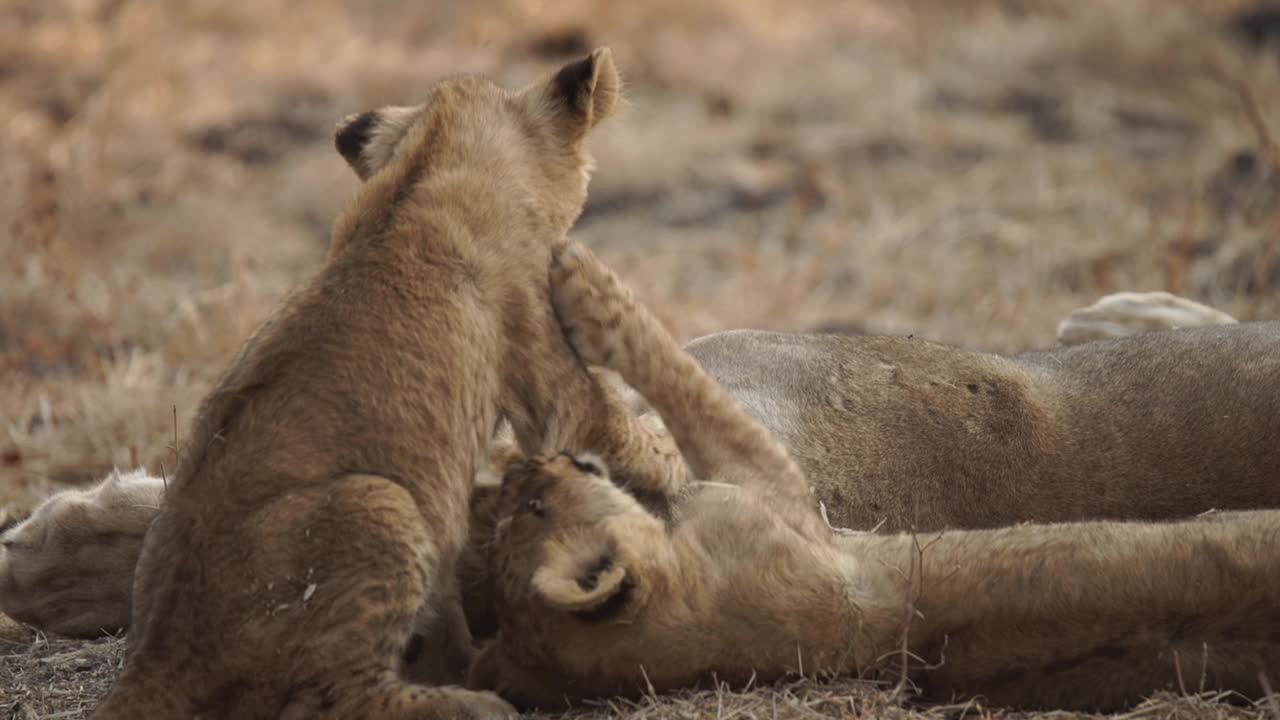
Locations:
(1252, 109)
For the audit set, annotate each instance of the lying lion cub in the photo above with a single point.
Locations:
(320, 503)
(601, 597)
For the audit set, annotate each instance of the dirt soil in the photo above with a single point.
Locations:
(964, 170)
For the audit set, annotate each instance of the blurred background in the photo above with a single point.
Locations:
(964, 170)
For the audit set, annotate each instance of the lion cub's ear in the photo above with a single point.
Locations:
(587, 91)
(583, 578)
(368, 140)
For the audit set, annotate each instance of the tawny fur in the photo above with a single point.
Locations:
(901, 433)
(747, 583)
(322, 495)
(1115, 315)
(854, 482)
(68, 567)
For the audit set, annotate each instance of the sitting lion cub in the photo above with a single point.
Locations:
(319, 505)
(600, 597)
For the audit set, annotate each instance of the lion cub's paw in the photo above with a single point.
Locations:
(590, 303)
(460, 704)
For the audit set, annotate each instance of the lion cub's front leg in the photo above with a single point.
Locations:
(561, 405)
(642, 455)
(608, 328)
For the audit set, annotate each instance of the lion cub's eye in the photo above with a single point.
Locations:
(589, 464)
(535, 506)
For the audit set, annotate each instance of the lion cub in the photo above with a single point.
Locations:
(321, 499)
(600, 597)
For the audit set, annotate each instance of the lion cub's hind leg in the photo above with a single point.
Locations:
(607, 327)
(381, 534)
(331, 580)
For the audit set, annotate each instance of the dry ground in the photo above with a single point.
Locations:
(964, 170)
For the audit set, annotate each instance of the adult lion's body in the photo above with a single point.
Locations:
(908, 433)
(745, 582)
(322, 497)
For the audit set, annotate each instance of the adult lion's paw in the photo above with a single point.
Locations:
(1130, 313)
(68, 568)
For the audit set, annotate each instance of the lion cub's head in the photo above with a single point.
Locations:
(571, 541)
(579, 562)
(531, 139)
(69, 567)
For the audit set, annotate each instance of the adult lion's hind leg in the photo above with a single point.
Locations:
(1130, 313)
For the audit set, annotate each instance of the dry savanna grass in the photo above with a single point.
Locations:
(968, 171)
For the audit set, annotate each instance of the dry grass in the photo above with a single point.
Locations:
(968, 171)
(46, 679)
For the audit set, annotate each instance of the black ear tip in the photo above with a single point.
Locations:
(353, 134)
(572, 78)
